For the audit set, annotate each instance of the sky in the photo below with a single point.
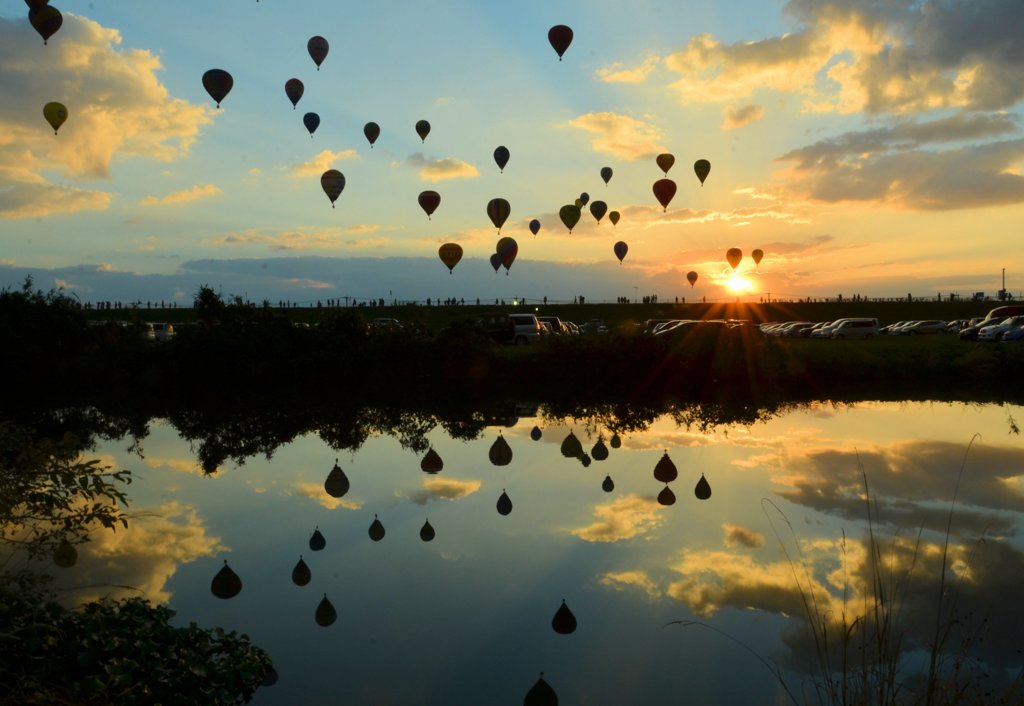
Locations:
(869, 148)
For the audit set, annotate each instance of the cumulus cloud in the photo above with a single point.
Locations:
(619, 73)
(444, 489)
(330, 238)
(621, 580)
(315, 491)
(734, 117)
(195, 193)
(738, 536)
(327, 159)
(434, 170)
(181, 465)
(624, 518)
(35, 200)
(621, 136)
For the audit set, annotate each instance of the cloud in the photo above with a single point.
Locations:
(330, 238)
(315, 491)
(322, 162)
(743, 115)
(620, 580)
(444, 489)
(35, 200)
(737, 536)
(181, 465)
(618, 73)
(624, 518)
(434, 170)
(621, 136)
(195, 193)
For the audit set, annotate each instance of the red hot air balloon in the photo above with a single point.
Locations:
(620, 250)
(691, 277)
(317, 47)
(498, 211)
(702, 168)
(535, 226)
(560, 37)
(664, 190)
(665, 161)
(501, 155)
(507, 251)
(733, 257)
(496, 262)
(450, 254)
(46, 20)
(429, 201)
(372, 132)
(293, 88)
(333, 183)
(756, 255)
(217, 83)
(422, 129)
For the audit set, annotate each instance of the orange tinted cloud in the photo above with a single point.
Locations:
(621, 136)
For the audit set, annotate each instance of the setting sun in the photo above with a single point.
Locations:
(738, 284)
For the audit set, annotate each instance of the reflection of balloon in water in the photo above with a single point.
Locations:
(664, 190)
(507, 251)
(429, 201)
(702, 168)
(535, 433)
(614, 217)
(666, 496)
(560, 37)
(65, 555)
(606, 174)
(333, 183)
(270, 677)
(450, 254)
(325, 614)
(55, 114)
(535, 226)
(226, 584)
(571, 446)
(301, 575)
(620, 249)
(703, 489)
(500, 452)
(46, 20)
(691, 277)
(501, 156)
(422, 129)
(600, 451)
(733, 257)
(570, 215)
(317, 47)
(498, 211)
(427, 531)
(372, 132)
(293, 88)
(598, 209)
(564, 621)
(337, 483)
(608, 485)
(585, 460)
(665, 161)
(431, 462)
(665, 471)
(584, 198)
(616, 441)
(317, 541)
(496, 262)
(756, 255)
(217, 83)
(311, 121)
(541, 694)
(376, 530)
(504, 503)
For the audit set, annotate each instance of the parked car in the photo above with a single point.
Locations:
(923, 327)
(498, 326)
(995, 332)
(864, 329)
(161, 331)
(557, 326)
(595, 326)
(528, 328)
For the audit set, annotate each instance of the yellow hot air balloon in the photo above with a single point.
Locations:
(55, 114)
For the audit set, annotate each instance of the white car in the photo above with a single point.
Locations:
(994, 332)
(919, 327)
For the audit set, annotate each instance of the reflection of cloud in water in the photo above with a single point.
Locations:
(315, 491)
(737, 536)
(444, 489)
(621, 580)
(620, 519)
(138, 560)
(181, 465)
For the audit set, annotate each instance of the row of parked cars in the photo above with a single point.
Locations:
(525, 328)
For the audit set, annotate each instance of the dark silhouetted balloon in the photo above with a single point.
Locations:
(46, 20)
(733, 257)
(535, 226)
(535, 433)
(65, 555)
(691, 277)
(376, 530)
(500, 452)
(496, 262)
(756, 255)
(337, 483)
(585, 460)
(664, 190)
(614, 217)
(702, 168)
(606, 174)
(584, 198)
(317, 541)
(372, 132)
(427, 531)
(570, 215)
(317, 47)
(226, 584)
(600, 451)
(616, 441)
(665, 161)
(608, 485)
(333, 183)
(666, 496)
(325, 614)
(293, 88)
(620, 249)
(301, 575)
(703, 489)
(429, 201)
(311, 121)
(271, 676)
(432, 462)
(422, 129)
(598, 209)
(450, 254)
(507, 251)
(564, 621)
(501, 156)
(541, 694)
(560, 37)
(571, 446)
(55, 114)
(217, 83)
(498, 211)
(665, 471)
(504, 503)
(36, 4)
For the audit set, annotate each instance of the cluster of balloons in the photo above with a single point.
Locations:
(734, 255)
(665, 188)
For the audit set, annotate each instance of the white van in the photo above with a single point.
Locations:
(856, 329)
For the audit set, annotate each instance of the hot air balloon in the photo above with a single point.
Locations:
(585, 460)
(570, 215)
(36, 4)
(226, 584)
(620, 249)
(606, 174)
(500, 452)
(372, 132)
(607, 485)
(535, 433)
(571, 446)
(501, 156)
(429, 201)
(756, 255)
(666, 496)
(55, 114)
(46, 20)
(376, 530)
(703, 489)
(616, 441)
(217, 83)
(584, 198)
(317, 47)
(508, 253)
(333, 183)
(422, 129)
(65, 555)
(325, 613)
(450, 254)
(312, 122)
(733, 257)
(504, 503)
(498, 211)
(600, 451)
(541, 694)
(564, 621)
(702, 168)
(535, 226)
(301, 575)
(665, 161)
(578, 203)
(664, 190)
(598, 209)
(496, 262)
(691, 277)
(560, 37)
(665, 471)
(317, 541)
(432, 462)
(427, 532)
(337, 483)
(614, 217)
(294, 89)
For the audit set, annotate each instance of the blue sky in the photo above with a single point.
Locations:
(869, 148)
